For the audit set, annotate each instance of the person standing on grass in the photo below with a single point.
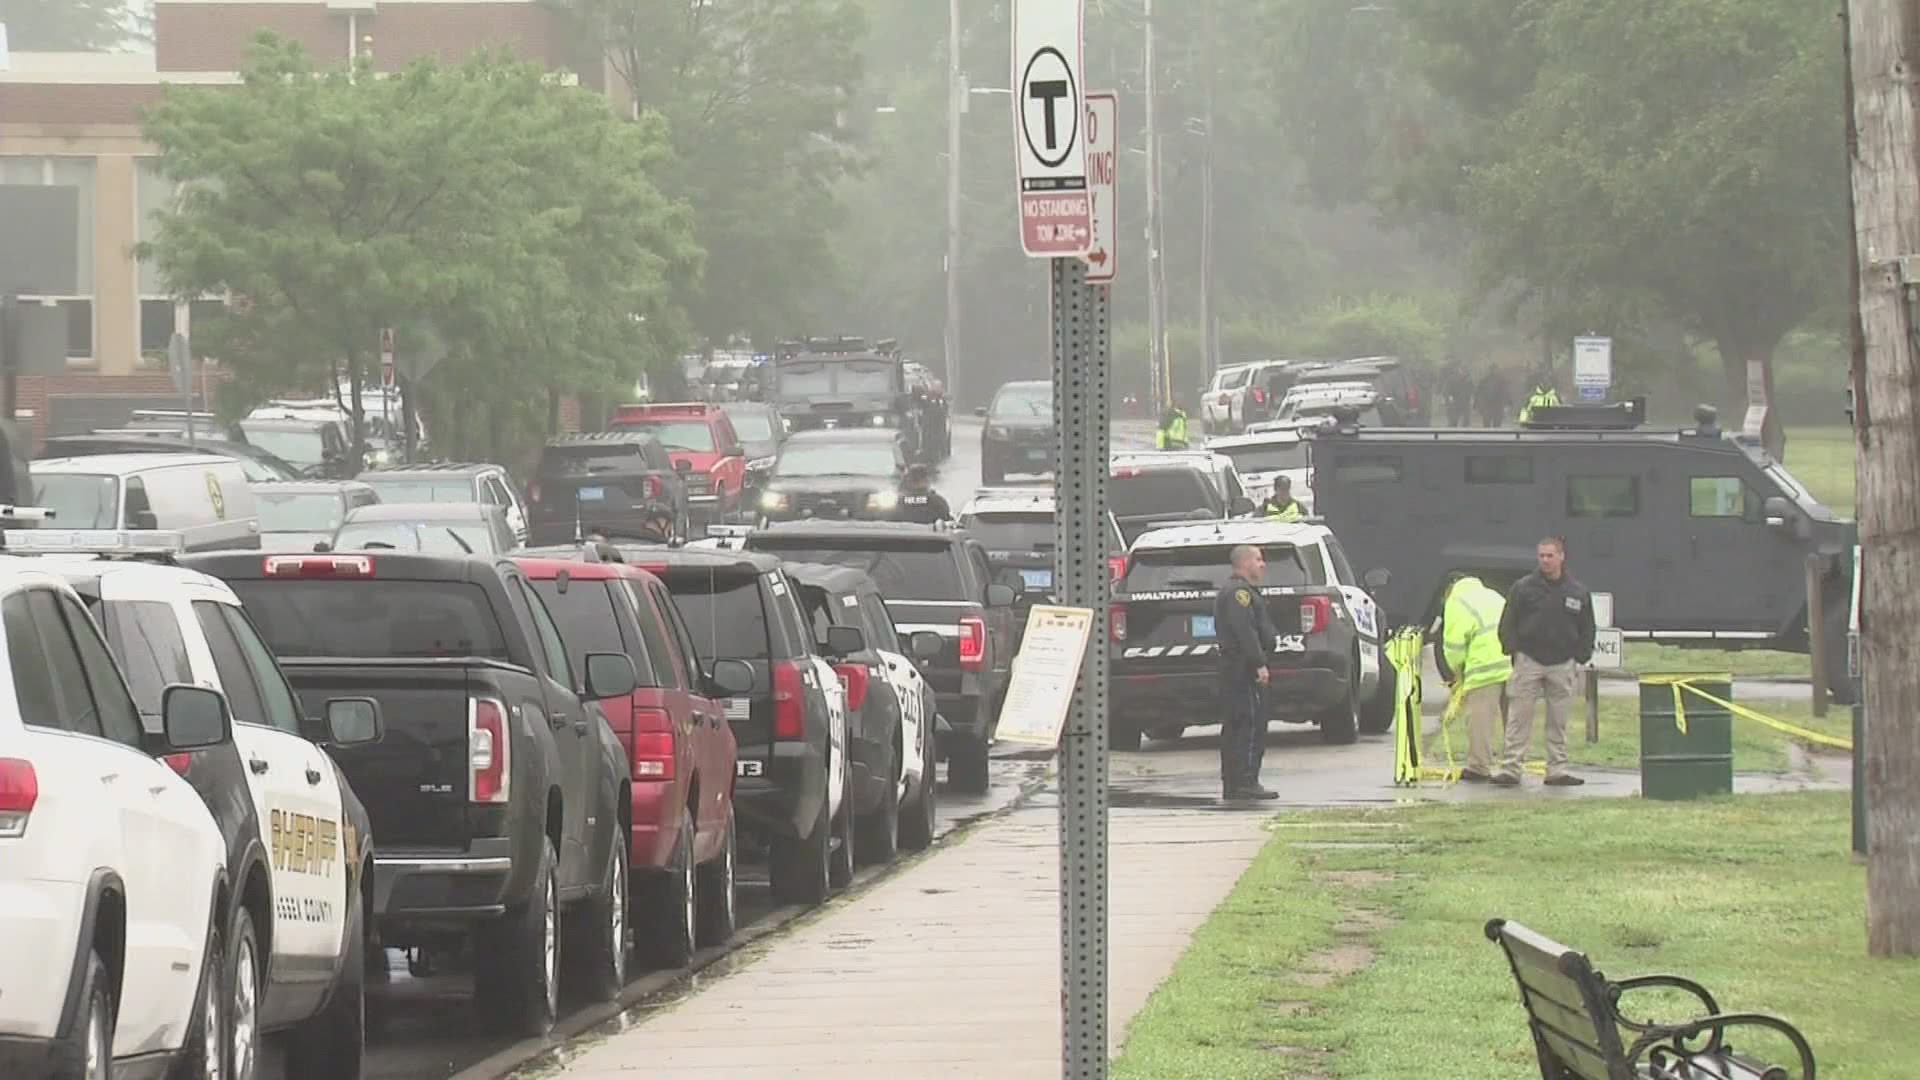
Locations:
(1548, 630)
(1467, 650)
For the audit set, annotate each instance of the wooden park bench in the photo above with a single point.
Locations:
(1580, 1034)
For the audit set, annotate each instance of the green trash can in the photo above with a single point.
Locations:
(1690, 764)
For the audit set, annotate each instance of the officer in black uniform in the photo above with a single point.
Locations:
(1246, 645)
(919, 503)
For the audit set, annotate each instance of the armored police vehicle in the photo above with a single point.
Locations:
(1701, 537)
(845, 382)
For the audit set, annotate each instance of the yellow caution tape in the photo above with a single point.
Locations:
(1682, 682)
(1403, 652)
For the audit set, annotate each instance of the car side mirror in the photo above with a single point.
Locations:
(980, 411)
(999, 595)
(844, 641)
(734, 451)
(1376, 578)
(610, 675)
(730, 678)
(1242, 506)
(926, 645)
(193, 718)
(354, 722)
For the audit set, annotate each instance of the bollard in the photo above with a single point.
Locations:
(1675, 764)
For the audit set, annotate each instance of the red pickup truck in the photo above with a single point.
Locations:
(703, 445)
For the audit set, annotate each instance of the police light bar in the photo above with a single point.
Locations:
(94, 541)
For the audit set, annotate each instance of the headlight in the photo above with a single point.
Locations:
(882, 501)
(760, 464)
(882, 420)
(773, 500)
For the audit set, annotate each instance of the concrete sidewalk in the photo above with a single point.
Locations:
(949, 969)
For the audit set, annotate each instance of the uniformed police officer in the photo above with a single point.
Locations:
(1281, 505)
(919, 503)
(1544, 395)
(1172, 434)
(1246, 645)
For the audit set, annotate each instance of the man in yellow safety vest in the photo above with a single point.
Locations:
(1468, 653)
(1543, 394)
(1172, 434)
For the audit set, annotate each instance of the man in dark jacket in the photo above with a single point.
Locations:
(919, 503)
(1246, 644)
(1548, 630)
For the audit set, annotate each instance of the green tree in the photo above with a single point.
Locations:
(66, 25)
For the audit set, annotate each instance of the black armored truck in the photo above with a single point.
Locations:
(847, 382)
(1701, 537)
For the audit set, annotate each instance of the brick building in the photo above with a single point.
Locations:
(73, 119)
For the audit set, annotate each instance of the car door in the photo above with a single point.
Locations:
(715, 751)
(501, 494)
(908, 685)
(573, 741)
(1364, 609)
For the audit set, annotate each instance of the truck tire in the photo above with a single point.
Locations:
(333, 1044)
(715, 906)
(245, 971)
(672, 896)
(840, 865)
(1340, 724)
(516, 976)
(798, 865)
(879, 830)
(1376, 716)
(596, 956)
(920, 818)
(967, 764)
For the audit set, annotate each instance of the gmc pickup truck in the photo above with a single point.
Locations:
(498, 796)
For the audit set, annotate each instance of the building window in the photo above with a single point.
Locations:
(156, 327)
(1372, 469)
(1603, 496)
(1716, 496)
(75, 297)
(79, 328)
(1500, 469)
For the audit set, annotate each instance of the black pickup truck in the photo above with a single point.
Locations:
(498, 795)
(938, 580)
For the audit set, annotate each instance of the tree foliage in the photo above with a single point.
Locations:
(66, 25)
(517, 216)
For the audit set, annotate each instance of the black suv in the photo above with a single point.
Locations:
(795, 771)
(498, 796)
(835, 474)
(1019, 435)
(937, 580)
(1016, 525)
(601, 483)
(1147, 496)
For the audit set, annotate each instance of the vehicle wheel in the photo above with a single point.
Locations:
(203, 1055)
(879, 831)
(90, 1056)
(517, 961)
(244, 969)
(332, 1045)
(840, 868)
(671, 904)
(798, 866)
(1341, 723)
(922, 813)
(1376, 717)
(1168, 733)
(596, 956)
(714, 885)
(967, 765)
(1123, 734)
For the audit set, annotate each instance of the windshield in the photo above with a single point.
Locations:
(1161, 491)
(752, 427)
(303, 446)
(902, 572)
(1268, 458)
(1207, 568)
(419, 490)
(724, 614)
(830, 459)
(1023, 401)
(692, 435)
(379, 618)
(864, 377)
(459, 538)
(79, 500)
(805, 378)
(302, 512)
(1012, 532)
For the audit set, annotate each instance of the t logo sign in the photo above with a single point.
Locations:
(1049, 93)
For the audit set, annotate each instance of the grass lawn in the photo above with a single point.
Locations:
(1645, 657)
(1822, 459)
(1756, 748)
(1366, 959)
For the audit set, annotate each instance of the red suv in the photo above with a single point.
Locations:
(678, 742)
(704, 448)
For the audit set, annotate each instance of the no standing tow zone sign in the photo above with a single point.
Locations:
(1050, 122)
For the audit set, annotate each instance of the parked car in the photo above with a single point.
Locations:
(938, 580)
(1149, 494)
(1016, 526)
(704, 448)
(320, 448)
(827, 473)
(794, 770)
(761, 433)
(674, 730)
(452, 482)
(258, 465)
(603, 483)
(204, 498)
(1019, 434)
(112, 868)
(1401, 400)
(433, 528)
(1218, 467)
(498, 795)
(1240, 394)
(295, 516)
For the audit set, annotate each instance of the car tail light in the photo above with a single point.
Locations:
(489, 750)
(973, 643)
(789, 701)
(1117, 567)
(854, 678)
(19, 790)
(1315, 613)
(653, 749)
(318, 566)
(180, 763)
(1117, 621)
(1258, 395)
(655, 489)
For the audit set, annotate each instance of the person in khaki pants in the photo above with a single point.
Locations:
(1468, 653)
(1548, 630)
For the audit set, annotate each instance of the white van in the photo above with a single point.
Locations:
(203, 497)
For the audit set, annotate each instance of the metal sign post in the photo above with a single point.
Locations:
(180, 366)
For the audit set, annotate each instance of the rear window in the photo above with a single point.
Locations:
(1207, 568)
(587, 624)
(676, 434)
(376, 618)
(458, 489)
(902, 571)
(573, 460)
(299, 511)
(1012, 532)
(456, 538)
(1270, 458)
(724, 614)
(1160, 491)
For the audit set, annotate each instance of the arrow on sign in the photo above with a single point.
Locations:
(1097, 257)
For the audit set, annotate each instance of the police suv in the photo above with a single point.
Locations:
(297, 838)
(1016, 525)
(1327, 669)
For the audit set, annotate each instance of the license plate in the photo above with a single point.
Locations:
(1202, 626)
(1037, 579)
(593, 494)
(750, 768)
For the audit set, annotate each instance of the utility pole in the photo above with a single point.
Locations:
(1209, 329)
(1159, 398)
(1886, 201)
(956, 106)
